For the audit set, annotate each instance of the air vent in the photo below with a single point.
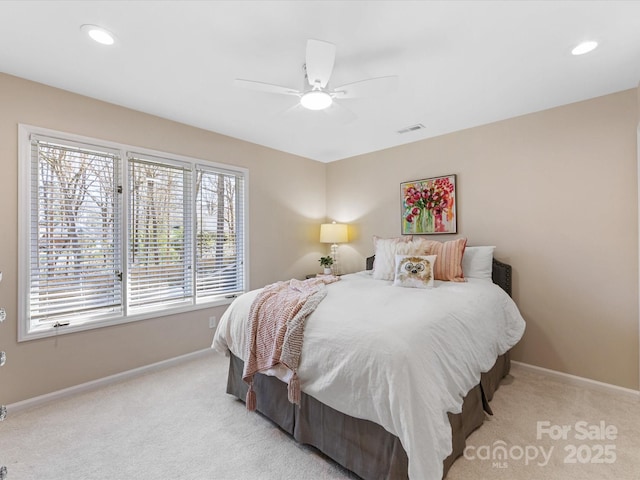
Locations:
(412, 128)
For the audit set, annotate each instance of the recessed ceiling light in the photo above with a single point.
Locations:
(99, 34)
(584, 47)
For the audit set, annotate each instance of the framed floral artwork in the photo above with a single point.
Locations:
(429, 206)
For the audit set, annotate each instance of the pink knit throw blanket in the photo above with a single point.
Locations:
(275, 329)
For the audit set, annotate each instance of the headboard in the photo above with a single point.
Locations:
(501, 273)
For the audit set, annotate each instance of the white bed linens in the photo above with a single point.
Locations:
(400, 357)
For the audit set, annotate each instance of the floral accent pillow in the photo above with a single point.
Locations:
(414, 271)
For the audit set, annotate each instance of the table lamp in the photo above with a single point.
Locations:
(334, 233)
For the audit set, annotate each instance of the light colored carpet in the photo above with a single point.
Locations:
(179, 424)
(523, 400)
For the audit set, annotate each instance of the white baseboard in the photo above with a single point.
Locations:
(578, 381)
(118, 377)
(13, 408)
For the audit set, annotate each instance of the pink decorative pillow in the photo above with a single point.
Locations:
(449, 264)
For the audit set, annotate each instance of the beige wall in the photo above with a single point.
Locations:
(283, 235)
(556, 192)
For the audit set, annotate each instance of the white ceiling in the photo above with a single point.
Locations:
(460, 63)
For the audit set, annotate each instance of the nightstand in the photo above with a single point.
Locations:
(314, 275)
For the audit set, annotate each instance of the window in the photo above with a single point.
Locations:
(159, 233)
(73, 252)
(111, 233)
(219, 212)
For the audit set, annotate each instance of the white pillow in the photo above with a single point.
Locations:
(414, 271)
(385, 252)
(477, 262)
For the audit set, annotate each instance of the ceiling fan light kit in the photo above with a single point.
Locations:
(320, 57)
(316, 100)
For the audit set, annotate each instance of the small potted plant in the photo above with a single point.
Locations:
(326, 263)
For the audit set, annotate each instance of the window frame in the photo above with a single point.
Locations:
(139, 157)
(27, 331)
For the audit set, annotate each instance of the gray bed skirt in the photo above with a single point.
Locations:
(361, 446)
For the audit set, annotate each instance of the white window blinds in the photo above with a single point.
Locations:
(74, 257)
(160, 256)
(220, 233)
(111, 233)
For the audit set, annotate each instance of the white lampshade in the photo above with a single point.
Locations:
(333, 233)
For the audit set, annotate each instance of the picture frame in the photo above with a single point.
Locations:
(429, 206)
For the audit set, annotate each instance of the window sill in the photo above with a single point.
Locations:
(46, 331)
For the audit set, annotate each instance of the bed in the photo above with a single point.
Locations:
(364, 430)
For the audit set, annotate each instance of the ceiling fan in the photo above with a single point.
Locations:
(315, 94)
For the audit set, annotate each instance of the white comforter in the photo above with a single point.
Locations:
(400, 357)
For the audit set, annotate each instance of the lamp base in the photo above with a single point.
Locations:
(334, 255)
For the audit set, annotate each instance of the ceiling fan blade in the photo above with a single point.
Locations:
(319, 61)
(265, 87)
(367, 88)
(292, 112)
(339, 113)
